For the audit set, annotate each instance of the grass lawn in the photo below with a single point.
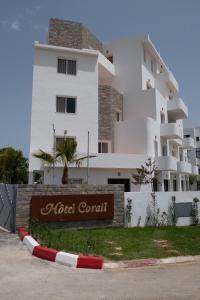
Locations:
(123, 244)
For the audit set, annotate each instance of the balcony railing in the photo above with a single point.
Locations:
(171, 131)
(166, 163)
(184, 167)
(195, 170)
(177, 109)
(188, 143)
(168, 78)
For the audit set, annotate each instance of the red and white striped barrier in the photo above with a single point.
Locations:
(68, 259)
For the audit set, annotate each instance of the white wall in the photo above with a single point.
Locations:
(96, 176)
(136, 137)
(47, 84)
(142, 201)
(127, 58)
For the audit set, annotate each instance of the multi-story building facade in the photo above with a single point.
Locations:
(192, 138)
(122, 93)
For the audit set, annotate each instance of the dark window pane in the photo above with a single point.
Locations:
(60, 104)
(197, 152)
(71, 105)
(99, 147)
(71, 67)
(60, 140)
(62, 64)
(174, 185)
(182, 185)
(166, 185)
(104, 147)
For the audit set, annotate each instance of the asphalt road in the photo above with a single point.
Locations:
(24, 277)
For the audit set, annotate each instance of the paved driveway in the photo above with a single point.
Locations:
(24, 277)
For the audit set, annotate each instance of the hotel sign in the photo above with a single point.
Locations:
(64, 208)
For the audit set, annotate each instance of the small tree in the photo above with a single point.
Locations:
(65, 153)
(146, 175)
(195, 211)
(13, 166)
(192, 180)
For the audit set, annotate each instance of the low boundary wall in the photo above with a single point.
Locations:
(25, 193)
(142, 208)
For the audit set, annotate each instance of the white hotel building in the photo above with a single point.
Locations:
(122, 93)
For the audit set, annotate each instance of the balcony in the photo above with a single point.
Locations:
(168, 78)
(171, 131)
(177, 109)
(188, 143)
(195, 170)
(166, 163)
(178, 142)
(184, 167)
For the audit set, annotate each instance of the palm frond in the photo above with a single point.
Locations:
(45, 156)
(79, 160)
(66, 151)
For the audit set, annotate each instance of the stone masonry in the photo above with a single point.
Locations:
(72, 35)
(25, 192)
(110, 102)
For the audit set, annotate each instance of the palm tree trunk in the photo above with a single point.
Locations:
(65, 175)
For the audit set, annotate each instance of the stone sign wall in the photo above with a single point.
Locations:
(106, 201)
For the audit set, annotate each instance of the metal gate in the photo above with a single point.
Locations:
(8, 194)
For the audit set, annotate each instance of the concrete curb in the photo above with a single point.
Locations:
(68, 259)
(150, 262)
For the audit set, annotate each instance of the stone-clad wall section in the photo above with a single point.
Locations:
(105, 122)
(89, 40)
(110, 102)
(25, 192)
(72, 35)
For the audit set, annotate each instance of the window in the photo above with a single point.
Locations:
(162, 118)
(38, 176)
(71, 105)
(66, 105)
(197, 152)
(182, 185)
(103, 147)
(144, 55)
(164, 150)
(71, 67)
(66, 66)
(60, 140)
(62, 66)
(118, 116)
(186, 135)
(166, 185)
(174, 185)
(197, 138)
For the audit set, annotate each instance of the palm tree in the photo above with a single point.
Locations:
(65, 152)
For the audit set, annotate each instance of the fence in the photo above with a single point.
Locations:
(8, 206)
